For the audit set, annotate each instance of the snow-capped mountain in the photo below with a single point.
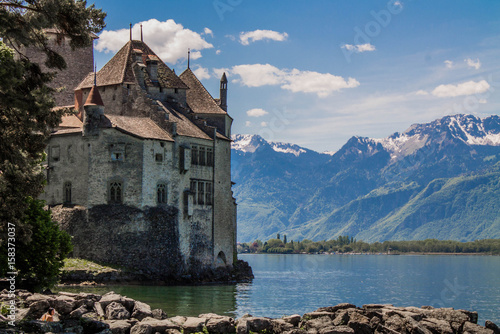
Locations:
(374, 189)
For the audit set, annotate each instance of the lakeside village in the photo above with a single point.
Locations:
(349, 245)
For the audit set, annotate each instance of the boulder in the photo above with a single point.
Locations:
(337, 330)
(141, 310)
(320, 314)
(218, 323)
(93, 326)
(116, 311)
(38, 308)
(111, 297)
(280, 326)
(490, 325)
(318, 323)
(37, 297)
(119, 326)
(254, 324)
(64, 304)
(99, 310)
(437, 326)
(141, 328)
(193, 325)
(178, 320)
(293, 319)
(78, 313)
(471, 328)
(335, 308)
(342, 318)
(159, 314)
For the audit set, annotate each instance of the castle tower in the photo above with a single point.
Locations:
(93, 112)
(223, 92)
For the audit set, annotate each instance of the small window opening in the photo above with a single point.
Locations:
(161, 193)
(159, 157)
(67, 193)
(115, 193)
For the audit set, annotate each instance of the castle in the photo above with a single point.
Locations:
(140, 175)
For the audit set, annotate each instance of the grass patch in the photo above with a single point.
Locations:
(74, 264)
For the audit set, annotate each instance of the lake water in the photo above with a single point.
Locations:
(289, 284)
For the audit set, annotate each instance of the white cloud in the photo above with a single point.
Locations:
(201, 73)
(208, 31)
(421, 92)
(257, 35)
(359, 47)
(218, 72)
(218, 52)
(483, 101)
(263, 124)
(248, 123)
(169, 40)
(256, 112)
(398, 3)
(448, 63)
(471, 63)
(465, 88)
(323, 84)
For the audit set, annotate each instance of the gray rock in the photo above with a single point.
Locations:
(160, 325)
(38, 308)
(116, 311)
(218, 323)
(78, 313)
(255, 324)
(337, 330)
(193, 325)
(335, 308)
(141, 310)
(64, 304)
(280, 326)
(119, 326)
(437, 326)
(93, 326)
(37, 297)
(470, 328)
(159, 314)
(319, 323)
(179, 320)
(141, 328)
(381, 329)
(99, 310)
(111, 297)
(473, 316)
(316, 314)
(491, 325)
(341, 318)
(293, 319)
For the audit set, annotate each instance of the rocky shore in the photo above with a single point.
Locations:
(117, 314)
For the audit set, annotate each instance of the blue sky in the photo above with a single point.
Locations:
(315, 73)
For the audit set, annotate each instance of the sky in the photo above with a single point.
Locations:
(316, 73)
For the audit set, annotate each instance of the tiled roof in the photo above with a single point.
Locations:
(94, 98)
(66, 131)
(70, 121)
(119, 69)
(142, 127)
(198, 98)
(184, 126)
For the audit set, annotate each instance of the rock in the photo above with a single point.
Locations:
(38, 308)
(395, 322)
(119, 326)
(218, 324)
(159, 314)
(116, 311)
(471, 328)
(141, 310)
(91, 315)
(337, 330)
(335, 308)
(381, 329)
(99, 310)
(37, 297)
(319, 323)
(490, 325)
(179, 320)
(141, 328)
(37, 326)
(280, 326)
(342, 318)
(93, 326)
(449, 315)
(73, 326)
(359, 327)
(160, 325)
(64, 304)
(293, 319)
(193, 325)
(316, 314)
(78, 313)
(111, 297)
(437, 326)
(370, 306)
(254, 324)
(472, 315)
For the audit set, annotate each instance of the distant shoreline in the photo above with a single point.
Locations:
(392, 254)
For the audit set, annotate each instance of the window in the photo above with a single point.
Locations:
(55, 153)
(208, 194)
(192, 188)
(194, 155)
(161, 193)
(116, 156)
(201, 192)
(67, 193)
(201, 156)
(115, 193)
(210, 157)
(159, 157)
(176, 90)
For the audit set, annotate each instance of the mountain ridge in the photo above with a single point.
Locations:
(284, 188)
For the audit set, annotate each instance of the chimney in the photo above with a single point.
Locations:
(223, 92)
(153, 69)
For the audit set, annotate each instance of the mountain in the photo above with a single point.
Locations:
(435, 180)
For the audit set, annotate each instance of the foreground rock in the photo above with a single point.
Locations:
(113, 313)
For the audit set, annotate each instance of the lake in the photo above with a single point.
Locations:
(289, 284)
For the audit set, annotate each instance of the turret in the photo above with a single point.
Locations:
(223, 92)
(93, 113)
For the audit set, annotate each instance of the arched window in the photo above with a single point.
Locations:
(115, 192)
(67, 193)
(161, 193)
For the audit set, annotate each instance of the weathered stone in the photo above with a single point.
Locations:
(280, 325)
(319, 323)
(295, 331)
(370, 306)
(473, 316)
(179, 320)
(37, 297)
(381, 329)
(218, 323)
(437, 326)
(316, 314)
(141, 310)
(491, 325)
(119, 326)
(93, 326)
(193, 325)
(38, 308)
(173, 331)
(160, 325)
(111, 297)
(64, 304)
(374, 321)
(342, 318)
(141, 328)
(116, 311)
(335, 308)
(471, 328)
(99, 310)
(293, 319)
(395, 322)
(337, 330)
(360, 327)
(159, 314)
(36, 326)
(449, 315)
(78, 313)
(91, 315)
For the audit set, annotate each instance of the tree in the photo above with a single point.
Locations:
(284, 239)
(40, 260)
(26, 103)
